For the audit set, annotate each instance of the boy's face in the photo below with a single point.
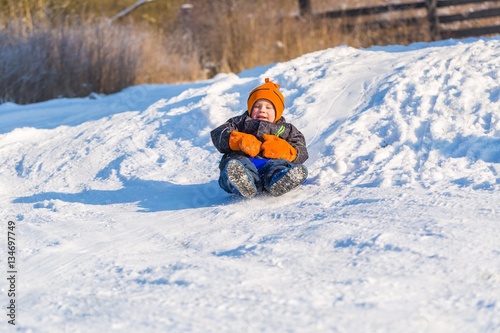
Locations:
(263, 110)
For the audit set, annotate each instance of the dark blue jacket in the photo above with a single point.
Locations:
(245, 124)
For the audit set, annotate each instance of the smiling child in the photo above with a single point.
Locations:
(262, 152)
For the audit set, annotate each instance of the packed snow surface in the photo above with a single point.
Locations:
(121, 226)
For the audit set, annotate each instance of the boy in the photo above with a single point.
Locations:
(262, 152)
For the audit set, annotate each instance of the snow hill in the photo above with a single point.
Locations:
(121, 226)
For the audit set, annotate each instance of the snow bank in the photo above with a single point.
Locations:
(121, 224)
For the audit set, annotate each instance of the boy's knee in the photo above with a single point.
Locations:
(247, 164)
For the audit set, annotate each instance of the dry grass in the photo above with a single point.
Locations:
(53, 48)
(49, 62)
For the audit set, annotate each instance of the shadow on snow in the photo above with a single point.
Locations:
(150, 196)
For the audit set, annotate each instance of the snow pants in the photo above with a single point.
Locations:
(262, 176)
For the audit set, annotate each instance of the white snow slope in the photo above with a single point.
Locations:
(121, 226)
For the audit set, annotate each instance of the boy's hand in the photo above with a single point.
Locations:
(275, 147)
(247, 143)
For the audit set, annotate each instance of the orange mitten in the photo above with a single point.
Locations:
(247, 143)
(275, 147)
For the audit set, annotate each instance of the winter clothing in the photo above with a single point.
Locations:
(260, 155)
(259, 170)
(269, 91)
(247, 143)
(235, 178)
(287, 179)
(274, 147)
(259, 162)
(251, 172)
(243, 123)
(239, 175)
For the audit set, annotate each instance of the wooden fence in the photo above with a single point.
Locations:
(437, 21)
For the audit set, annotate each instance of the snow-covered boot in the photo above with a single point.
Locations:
(287, 179)
(240, 180)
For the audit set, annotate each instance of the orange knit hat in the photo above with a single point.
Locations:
(269, 91)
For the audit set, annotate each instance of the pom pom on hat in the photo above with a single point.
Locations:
(269, 91)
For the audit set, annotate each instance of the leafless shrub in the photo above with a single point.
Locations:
(66, 60)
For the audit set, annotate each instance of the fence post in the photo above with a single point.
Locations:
(305, 7)
(433, 19)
